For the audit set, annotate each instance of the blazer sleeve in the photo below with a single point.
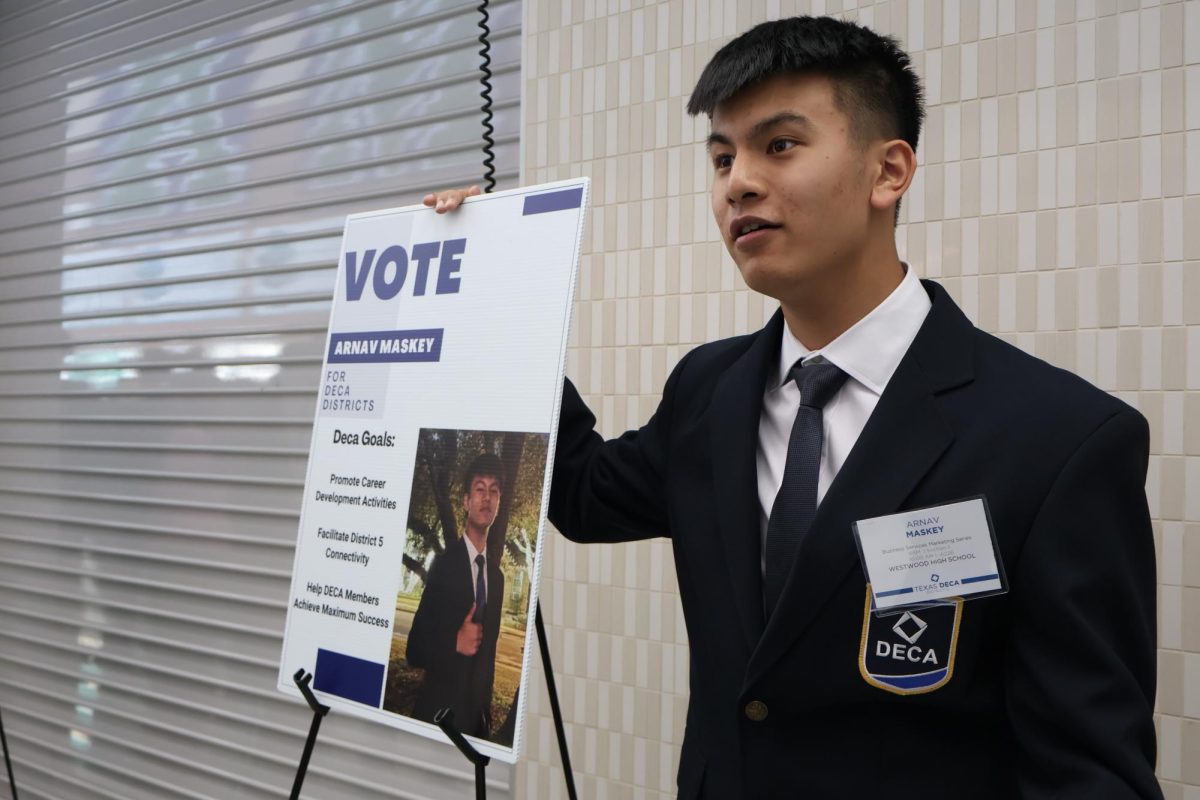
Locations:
(1080, 669)
(433, 637)
(611, 491)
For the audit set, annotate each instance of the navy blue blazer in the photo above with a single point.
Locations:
(1046, 691)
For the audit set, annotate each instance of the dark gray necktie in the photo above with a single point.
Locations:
(796, 504)
(480, 590)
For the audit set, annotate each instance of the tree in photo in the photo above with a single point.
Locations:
(435, 510)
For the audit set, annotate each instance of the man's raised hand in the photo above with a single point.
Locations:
(448, 199)
(470, 634)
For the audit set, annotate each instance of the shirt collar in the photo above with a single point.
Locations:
(471, 551)
(871, 349)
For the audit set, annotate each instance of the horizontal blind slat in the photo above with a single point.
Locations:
(358, 200)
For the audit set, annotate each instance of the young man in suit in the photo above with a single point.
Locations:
(870, 393)
(454, 632)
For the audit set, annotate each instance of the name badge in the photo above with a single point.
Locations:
(920, 557)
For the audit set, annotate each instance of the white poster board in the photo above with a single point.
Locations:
(446, 344)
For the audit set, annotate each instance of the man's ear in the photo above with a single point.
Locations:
(896, 164)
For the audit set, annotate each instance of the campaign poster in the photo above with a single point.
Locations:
(418, 552)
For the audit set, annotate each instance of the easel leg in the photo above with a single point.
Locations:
(302, 681)
(302, 770)
(12, 782)
(444, 719)
(555, 709)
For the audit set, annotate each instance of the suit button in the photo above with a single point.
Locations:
(756, 710)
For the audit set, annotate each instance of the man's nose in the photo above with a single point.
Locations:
(745, 180)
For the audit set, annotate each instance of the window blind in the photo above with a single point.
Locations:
(174, 177)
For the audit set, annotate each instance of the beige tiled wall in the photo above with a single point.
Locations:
(1058, 201)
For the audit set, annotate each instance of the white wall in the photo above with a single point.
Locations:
(1059, 202)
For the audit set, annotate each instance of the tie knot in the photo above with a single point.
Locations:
(479, 559)
(818, 382)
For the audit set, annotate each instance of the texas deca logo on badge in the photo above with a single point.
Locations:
(911, 652)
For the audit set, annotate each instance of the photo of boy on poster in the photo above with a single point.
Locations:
(474, 509)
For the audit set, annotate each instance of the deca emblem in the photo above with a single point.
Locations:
(912, 652)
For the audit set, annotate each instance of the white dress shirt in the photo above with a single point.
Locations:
(868, 353)
(471, 553)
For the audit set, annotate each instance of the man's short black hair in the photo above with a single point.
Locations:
(873, 80)
(483, 464)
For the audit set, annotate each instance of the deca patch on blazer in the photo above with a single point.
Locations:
(911, 652)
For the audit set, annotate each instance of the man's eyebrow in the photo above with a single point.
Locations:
(717, 138)
(762, 126)
(792, 117)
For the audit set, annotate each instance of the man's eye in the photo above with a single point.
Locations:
(780, 145)
(722, 161)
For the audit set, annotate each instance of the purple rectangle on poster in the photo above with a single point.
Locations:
(346, 676)
(553, 201)
(363, 347)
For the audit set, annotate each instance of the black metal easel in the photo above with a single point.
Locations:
(12, 782)
(555, 709)
(444, 719)
(303, 680)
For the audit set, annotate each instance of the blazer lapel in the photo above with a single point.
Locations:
(733, 429)
(903, 439)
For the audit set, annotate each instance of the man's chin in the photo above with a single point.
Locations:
(773, 281)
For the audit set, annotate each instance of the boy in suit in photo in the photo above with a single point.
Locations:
(457, 622)
(871, 393)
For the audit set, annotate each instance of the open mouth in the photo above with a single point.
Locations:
(747, 227)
